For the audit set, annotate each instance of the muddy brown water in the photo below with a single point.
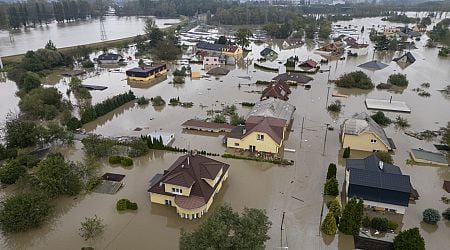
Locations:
(295, 190)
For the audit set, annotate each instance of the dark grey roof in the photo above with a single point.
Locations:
(267, 51)
(218, 71)
(292, 76)
(373, 65)
(373, 180)
(210, 46)
(409, 58)
(109, 56)
(429, 156)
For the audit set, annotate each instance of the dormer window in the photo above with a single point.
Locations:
(177, 190)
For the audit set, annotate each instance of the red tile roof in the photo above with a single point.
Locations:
(309, 63)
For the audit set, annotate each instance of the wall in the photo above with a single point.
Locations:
(362, 142)
(185, 191)
(268, 145)
(161, 199)
(151, 77)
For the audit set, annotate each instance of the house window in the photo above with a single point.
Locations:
(236, 144)
(168, 202)
(373, 141)
(177, 190)
(260, 137)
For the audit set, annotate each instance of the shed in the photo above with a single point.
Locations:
(406, 58)
(428, 157)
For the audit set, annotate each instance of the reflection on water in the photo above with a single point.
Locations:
(74, 33)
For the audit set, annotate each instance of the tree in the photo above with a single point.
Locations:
(41, 103)
(235, 119)
(350, 222)
(150, 24)
(221, 40)
(226, 229)
(329, 226)
(331, 187)
(58, 177)
(31, 81)
(346, 153)
(385, 157)
(220, 118)
(91, 227)
(11, 171)
(23, 211)
(96, 146)
(165, 50)
(446, 135)
(431, 216)
(331, 173)
(409, 239)
(357, 79)
(379, 223)
(50, 45)
(325, 29)
(242, 37)
(335, 207)
(19, 132)
(398, 80)
(401, 122)
(380, 118)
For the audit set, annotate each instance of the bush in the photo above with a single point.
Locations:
(11, 171)
(346, 153)
(366, 222)
(220, 119)
(143, 101)
(357, 79)
(157, 101)
(178, 80)
(379, 223)
(329, 226)
(384, 86)
(115, 159)
(73, 123)
(124, 204)
(392, 225)
(331, 187)
(23, 211)
(126, 161)
(401, 122)
(446, 214)
(431, 216)
(385, 157)
(398, 80)
(335, 207)
(381, 119)
(409, 239)
(91, 227)
(87, 64)
(331, 173)
(335, 106)
(122, 160)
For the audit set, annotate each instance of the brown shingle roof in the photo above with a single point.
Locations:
(279, 90)
(309, 63)
(274, 127)
(191, 169)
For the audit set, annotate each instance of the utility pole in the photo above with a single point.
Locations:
(325, 140)
(301, 133)
(102, 29)
(281, 228)
(328, 94)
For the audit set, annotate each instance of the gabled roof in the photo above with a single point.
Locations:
(409, 58)
(273, 108)
(231, 48)
(373, 65)
(279, 90)
(273, 127)
(291, 76)
(267, 51)
(189, 171)
(361, 123)
(210, 46)
(109, 56)
(374, 180)
(309, 63)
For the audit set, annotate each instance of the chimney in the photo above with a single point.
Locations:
(380, 165)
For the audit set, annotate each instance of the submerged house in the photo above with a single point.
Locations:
(146, 73)
(265, 128)
(214, 49)
(309, 64)
(189, 185)
(406, 58)
(269, 53)
(332, 49)
(293, 77)
(358, 49)
(381, 185)
(109, 58)
(292, 43)
(361, 132)
(278, 90)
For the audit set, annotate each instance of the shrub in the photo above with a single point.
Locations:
(335, 207)
(401, 122)
(91, 227)
(331, 173)
(157, 101)
(143, 101)
(379, 223)
(87, 64)
(446, 214)
(384, 86)
(11, 171)
(92, 183)
(357, 79)
(124, 204)
(260, 82)
(329, 226)
(73, 123)
(366, 221)
(346, 153)
(115, 159)
(331, 187)
(220, 119)
(431, 216)
(178, 80)
(398, 80)
(335, 106)
(409, 239)
(126, 161)
(381, 119)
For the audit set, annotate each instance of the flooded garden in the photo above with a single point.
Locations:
(295, 191)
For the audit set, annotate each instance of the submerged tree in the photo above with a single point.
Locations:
(350, 222)
(91, 227)
(409, 239)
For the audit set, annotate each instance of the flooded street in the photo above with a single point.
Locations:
(295, 190)
(74, 33)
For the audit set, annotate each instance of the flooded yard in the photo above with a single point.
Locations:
(295, 190)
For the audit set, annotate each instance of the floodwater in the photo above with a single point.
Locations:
(74, 33)
(295, 190)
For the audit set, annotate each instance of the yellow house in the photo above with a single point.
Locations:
(146, 73)
(232, 50)
(265, 127)
(189, 185)
(361, 132)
